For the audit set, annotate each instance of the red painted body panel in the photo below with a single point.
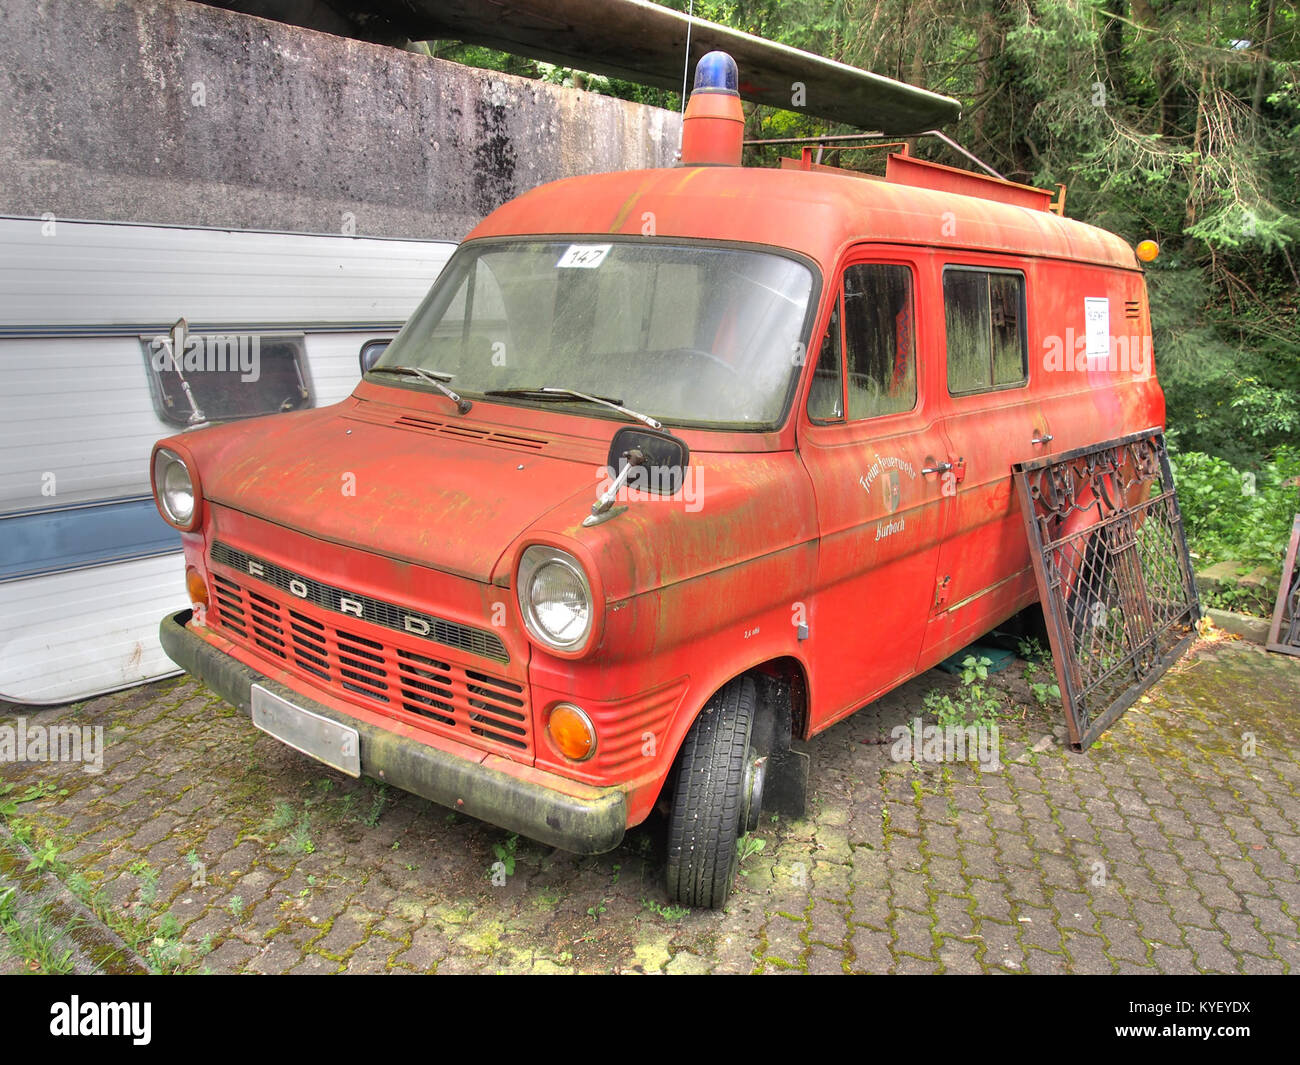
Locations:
(393, 496)
(816, 214)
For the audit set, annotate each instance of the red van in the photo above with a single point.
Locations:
(670, 468)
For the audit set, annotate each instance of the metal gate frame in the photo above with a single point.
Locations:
(1287, 609)
(1118, 594)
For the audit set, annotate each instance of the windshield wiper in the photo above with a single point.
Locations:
(433, 377)
(567, 395)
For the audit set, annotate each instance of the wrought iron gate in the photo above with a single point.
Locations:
(1284, 633)
(1115, 581)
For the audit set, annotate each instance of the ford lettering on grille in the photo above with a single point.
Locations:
(376, 611)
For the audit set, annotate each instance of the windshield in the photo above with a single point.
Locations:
(685, 333)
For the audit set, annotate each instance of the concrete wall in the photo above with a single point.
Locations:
(173, 112)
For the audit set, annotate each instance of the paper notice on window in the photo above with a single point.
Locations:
(1096, 319)
(583, 256)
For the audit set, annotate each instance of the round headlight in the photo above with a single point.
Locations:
(555, 598)
(174, 487)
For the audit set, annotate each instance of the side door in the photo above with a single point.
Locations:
(991, 419)
(870, 442)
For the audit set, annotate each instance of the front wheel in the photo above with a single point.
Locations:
(718, 797)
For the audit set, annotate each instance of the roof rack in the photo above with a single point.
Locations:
(901, 168)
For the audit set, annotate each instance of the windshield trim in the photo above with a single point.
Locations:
(592, 410)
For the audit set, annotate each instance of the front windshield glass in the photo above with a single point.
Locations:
(689, 334)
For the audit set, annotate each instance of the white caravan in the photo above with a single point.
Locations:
(113, 335)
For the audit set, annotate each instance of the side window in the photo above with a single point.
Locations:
(826, 397)
(1007, 313)
(879, 338)
(984, 311)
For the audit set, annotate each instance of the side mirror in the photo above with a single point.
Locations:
(643, 460)
(660, 459)
(370, 352)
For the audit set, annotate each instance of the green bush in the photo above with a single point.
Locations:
(1244, 515)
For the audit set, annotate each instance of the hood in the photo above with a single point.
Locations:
(450, 493)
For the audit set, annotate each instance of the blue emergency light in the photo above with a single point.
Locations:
(716, 72)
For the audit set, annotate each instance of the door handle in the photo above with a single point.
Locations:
(942, 467)
(1044, 438)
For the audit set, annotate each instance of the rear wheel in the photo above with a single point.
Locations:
(718, 797)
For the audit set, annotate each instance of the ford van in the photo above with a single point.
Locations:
(670, 469)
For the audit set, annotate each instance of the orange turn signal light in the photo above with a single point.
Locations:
(571, 732)
(196, 587)
(1147, 250)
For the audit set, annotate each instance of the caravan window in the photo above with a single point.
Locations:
(217, 377)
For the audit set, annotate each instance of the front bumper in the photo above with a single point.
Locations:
(571, 815)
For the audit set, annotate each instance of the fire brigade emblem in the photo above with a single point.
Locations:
(893, 491)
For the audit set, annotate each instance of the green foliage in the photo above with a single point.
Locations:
(167, 953)
(1264, 410)
(378, 799)
(45, 856)
(281, 817)
(668, 913)
(148, 877)
(1243, 515)
(300, 841)
(1038, 674)
(1031, 649)
(34, 938)
(11, 798)
(971, 704)
(1046, 693)
(505, 855)
(748, 846)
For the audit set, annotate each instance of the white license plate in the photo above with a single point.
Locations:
(318, 737)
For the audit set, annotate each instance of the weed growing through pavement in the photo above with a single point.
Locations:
(34, 938)
(746, 847)
(668, 913)
(972, 704)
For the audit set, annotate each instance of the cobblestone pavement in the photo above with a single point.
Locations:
(1171, 846)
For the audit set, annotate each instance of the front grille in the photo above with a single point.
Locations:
(418, 687)
(376, 611)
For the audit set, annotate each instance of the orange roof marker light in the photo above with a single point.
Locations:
(1147, 250)
(714, 124)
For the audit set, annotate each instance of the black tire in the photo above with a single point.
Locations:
(712, 798)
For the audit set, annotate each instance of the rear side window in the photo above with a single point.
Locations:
(879, 339)
(984, 311)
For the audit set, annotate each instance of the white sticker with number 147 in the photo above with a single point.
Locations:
(584, 256)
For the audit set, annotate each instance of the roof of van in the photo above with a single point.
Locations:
(813, 212)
